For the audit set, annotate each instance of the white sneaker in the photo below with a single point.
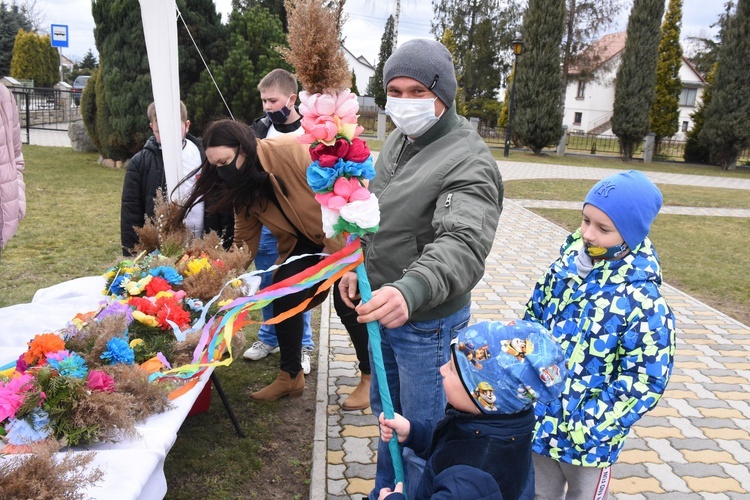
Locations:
(259, 350)
(306, 351)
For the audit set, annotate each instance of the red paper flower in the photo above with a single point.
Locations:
(156, 285)
(170, 309)
(143, 305)
(357, 152)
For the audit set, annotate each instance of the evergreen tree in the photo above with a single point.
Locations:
(636, 76)
(124, 81)
(482, 32)
(386, 49)
(204, 23)
(88, 61)
(34, 58)
(585, 21)
(252, 36)
(450, 43)
(12, 19)
(704, 52)
(275, 7)
(502, 120)
(123, 88)
(538, 113)
(665, 113)
(353, 88)
(88, 108)
(696, 151)
(727, 129)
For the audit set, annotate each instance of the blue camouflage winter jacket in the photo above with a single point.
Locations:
(618, 334)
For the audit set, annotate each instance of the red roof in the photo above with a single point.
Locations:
(600, 52)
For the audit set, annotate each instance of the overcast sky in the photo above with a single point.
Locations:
(362, 31)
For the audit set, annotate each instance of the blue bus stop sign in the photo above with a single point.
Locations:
(59, 35)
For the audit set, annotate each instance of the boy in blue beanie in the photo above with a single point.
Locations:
(482, 447)
(601, 301)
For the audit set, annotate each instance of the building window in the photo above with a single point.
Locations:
(577, 118)
(684, 126)
(581, 89)
(687, 97)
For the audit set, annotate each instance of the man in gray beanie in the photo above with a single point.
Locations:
(440, 197)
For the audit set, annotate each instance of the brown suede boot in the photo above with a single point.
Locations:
(284, 385)
(359, 399)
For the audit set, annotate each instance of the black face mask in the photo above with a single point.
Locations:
(279, 117)
(229, 172)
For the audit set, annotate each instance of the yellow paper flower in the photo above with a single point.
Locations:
(135, 342)
(195, 266)
(222, 303)
(236, 283)
(145, 319)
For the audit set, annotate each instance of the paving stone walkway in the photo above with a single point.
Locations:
(694, 445)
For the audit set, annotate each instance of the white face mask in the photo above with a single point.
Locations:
(413, 117)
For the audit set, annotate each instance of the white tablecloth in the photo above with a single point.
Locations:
(133, 468)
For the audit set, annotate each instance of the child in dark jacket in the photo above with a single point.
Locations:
(482, 447)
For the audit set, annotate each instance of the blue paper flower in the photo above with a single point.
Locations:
(168, 273)
(118, 352)
(116, 287)
(33, 427)
(321, 179)
(70, 365)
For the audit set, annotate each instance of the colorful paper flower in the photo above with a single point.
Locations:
(195, 266)
(12, 395)
(117, 308)
(41, 345)
(32, 428)
(168, 273)
(344, 191)
(321, 179)
(100, 381)
(68, 364)
(118, 352)
(157, 284)
(169, 309)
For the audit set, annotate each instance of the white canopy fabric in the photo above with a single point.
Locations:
(159, 19)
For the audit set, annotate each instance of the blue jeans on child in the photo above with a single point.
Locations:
(412, 355)
(267, 255)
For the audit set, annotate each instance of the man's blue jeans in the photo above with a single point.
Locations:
(412, 355)
(267, 255)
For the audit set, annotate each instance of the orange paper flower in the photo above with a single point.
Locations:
(40, 346)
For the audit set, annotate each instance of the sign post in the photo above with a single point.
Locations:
(59, 39)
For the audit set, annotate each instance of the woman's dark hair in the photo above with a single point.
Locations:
(217, 195)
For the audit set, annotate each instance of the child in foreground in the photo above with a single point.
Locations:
(601, 301)
(482, 447)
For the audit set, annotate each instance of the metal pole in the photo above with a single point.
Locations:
(508, 129)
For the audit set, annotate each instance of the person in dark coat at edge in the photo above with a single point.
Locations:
(145, 175)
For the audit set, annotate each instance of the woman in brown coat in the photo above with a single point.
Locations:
(265, 182)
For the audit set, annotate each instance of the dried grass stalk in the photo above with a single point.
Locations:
(315, 49)
(45, 475)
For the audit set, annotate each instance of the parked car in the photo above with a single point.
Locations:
(78, 86)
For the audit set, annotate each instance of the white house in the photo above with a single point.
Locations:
(363, 70)
(590, 93)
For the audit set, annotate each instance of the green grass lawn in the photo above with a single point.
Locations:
(676, 196)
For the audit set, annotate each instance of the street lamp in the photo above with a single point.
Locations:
(517, 50)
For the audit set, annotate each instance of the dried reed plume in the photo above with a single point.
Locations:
(315, 45)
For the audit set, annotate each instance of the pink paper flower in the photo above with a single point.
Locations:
(318, 128)
(100, 381)
(344, 191)
(12, 395)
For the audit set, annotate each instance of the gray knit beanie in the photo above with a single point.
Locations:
(429, 63)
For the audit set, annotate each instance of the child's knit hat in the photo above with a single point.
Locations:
(506, 367)
(427, 62)
(631, 200)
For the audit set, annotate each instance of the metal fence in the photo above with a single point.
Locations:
(45, 108)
